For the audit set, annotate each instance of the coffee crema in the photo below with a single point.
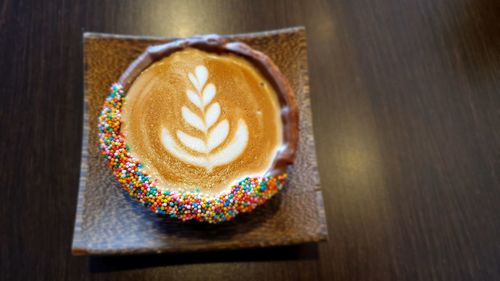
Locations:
(202, 121)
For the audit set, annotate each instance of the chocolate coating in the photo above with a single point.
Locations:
(219, 44)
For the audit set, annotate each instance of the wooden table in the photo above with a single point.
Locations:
(406, 105)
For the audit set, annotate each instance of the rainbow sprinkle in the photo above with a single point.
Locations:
(242, 198)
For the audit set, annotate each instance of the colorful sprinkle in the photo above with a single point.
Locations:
(242, 198)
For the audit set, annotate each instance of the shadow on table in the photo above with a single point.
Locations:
(287, 253)
(476, 38)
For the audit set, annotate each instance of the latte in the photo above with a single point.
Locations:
(200, 128)
(202, 121)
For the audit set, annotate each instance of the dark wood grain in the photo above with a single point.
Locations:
(405, 98)
(109, 223)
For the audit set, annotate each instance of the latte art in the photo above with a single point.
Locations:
(202, 121)
(214, 132)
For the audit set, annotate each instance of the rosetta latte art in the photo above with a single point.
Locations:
(202, 121)
(206, 120)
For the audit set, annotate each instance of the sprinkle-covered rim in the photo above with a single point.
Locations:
(243, 197)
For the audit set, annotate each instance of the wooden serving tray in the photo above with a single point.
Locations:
(109, 223)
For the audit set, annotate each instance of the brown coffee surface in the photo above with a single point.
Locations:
(202, 121)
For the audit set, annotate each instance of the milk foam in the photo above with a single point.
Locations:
(212, 137)
(201, 120)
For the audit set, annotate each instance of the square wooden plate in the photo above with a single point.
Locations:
(109, 223)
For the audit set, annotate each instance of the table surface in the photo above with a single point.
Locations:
(406, 105)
